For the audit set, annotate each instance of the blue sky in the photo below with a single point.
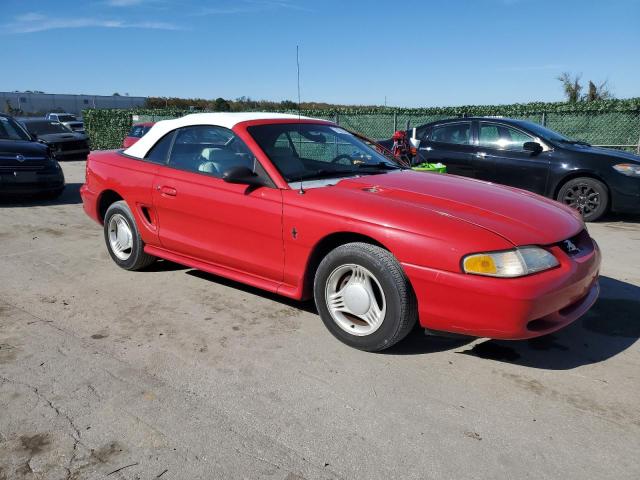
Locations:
(416, 53)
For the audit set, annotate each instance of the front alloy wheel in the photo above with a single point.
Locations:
(364, 297)
(355, 299)
(587, 195)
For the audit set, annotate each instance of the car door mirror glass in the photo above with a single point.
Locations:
(242, 175)
(533, 147)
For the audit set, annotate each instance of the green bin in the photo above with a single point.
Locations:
(430, 167)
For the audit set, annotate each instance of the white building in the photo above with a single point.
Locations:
(41, 103)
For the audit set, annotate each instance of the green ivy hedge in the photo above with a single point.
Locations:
(107, 128)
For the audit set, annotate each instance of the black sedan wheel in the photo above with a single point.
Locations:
(587, 195)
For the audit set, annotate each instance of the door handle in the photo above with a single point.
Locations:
(170, 191)
(481, 154)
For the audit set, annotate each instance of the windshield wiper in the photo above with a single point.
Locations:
(379, 166)
(321, 174)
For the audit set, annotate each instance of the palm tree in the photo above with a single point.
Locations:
(572, 87)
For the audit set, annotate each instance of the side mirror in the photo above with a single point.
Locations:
(242, 175)
(533, 147)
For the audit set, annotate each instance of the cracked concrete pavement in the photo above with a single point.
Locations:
(176, 374)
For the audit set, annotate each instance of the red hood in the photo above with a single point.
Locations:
(521, 217)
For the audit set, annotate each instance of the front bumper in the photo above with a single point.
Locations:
(80, 154)
(512, 309)
(625, 194)
(30, 183)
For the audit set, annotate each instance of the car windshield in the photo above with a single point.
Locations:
(11, 130)
(45, 127)
(67, 118)
(305, 151)
(545, 133)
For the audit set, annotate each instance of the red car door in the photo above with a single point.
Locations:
(203, 217)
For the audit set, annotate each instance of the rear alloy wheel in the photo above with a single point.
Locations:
(363, 297)
(123, 240)
(587, 195)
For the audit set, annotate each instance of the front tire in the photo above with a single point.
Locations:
(123, 239)
(363, 297)
(587, 195)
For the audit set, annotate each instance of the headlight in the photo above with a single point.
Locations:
(628, 169)
(510, 263)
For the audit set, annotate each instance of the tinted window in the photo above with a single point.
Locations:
(159, 152)
(66, 118)
(45, 127)
(456, 133)
(422, 133)
(10, 130)
(210, 150)
(502, 137)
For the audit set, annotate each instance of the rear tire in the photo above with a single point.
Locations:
(364, 298)
(587, 195)
(123, 239)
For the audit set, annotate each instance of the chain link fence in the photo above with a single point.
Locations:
(604, 129)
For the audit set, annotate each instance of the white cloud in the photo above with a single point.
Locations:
(36, 22)
(250, 6)
(124, 3)
(30, 17)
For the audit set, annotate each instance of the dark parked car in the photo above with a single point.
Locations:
(527, 155)
(65, 144)
(26, 165)
(68, 120)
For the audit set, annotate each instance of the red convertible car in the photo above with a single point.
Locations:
(303, 208)
(138, 130)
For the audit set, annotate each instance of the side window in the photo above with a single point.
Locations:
(422, 133)
(489, 135)
(456, 133)
(502, 137)
(209, 150)
(159, 152)
(515, 139)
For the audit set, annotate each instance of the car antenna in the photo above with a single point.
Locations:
(301, 191)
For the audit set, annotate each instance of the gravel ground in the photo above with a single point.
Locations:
(176, 374)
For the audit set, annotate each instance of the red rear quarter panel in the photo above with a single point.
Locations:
(110, 170)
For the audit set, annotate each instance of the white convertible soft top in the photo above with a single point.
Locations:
(227, 120)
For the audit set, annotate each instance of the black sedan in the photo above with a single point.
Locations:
(26, 165)
(527, 155)
(64, 143)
